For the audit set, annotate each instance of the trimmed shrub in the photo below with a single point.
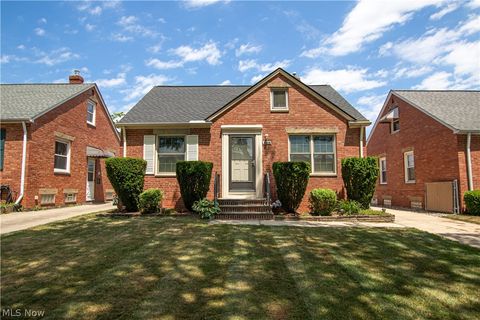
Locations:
(472, 202)
(349, 207)
(126, 176)
(291, 179)
(322, 201)
(149, 200)
(205, 208)
(194, 180)
(360, 177)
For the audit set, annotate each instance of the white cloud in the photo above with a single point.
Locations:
(39, 32)
(56, 56)
(118, 37)
(347, 80)
(21, 47)
(42, 20)
(437, 81)
(162, 20)
(127, 20)
(89, 27)
(6, 58)
(370, 105)
(411, 72)
(226, 83)
(129, 24)
(474, 4)
(245, 65)
(162, 65)
(114, 82)
(111, 4)
(209, 52)
(365, 23)
(257, 78)
(247, 49)
(445, 10)
(143, 84)
(195, 4)
(465, 57)
(95, 11)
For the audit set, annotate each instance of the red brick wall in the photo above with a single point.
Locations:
(435, 152)
(69, 119)
(304, 112)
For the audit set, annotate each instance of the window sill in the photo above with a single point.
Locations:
(60, 172)
(393, 132)
(171, 175)
(323, 174)
(411, 182)
(91, 124)
(279, 110)
(383, 183)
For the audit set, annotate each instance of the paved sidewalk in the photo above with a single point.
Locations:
(312, 224)
(464, 232)
(23, 220)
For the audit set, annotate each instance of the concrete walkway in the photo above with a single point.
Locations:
(23, 220)
(464, 232)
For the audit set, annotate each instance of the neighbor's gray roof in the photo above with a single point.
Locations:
(27, 101)
(180, 104)
(459, 110)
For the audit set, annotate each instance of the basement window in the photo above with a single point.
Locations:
(47, 199)
(70, 197)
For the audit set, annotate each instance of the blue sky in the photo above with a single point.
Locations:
(363, 48)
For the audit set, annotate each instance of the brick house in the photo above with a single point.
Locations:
(425, 141)
(242, 130)
(53, 137)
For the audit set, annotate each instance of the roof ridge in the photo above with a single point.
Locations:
(439, 90)
(45, 83)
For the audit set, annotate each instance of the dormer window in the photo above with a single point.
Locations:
(395, 125)
(91, 112)
(279, 100)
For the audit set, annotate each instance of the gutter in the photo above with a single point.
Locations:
(24, 161)
(361, 142)
(124, 134)
(469, 163)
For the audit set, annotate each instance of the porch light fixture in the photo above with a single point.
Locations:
(266, 141)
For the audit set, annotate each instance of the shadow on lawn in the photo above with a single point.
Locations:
(102, 268)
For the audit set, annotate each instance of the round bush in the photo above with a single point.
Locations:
(472, 202)
(126, 176)
(322, 201)
(149, 200)
(360, 178)
(291, 179)
(349, 207)
(194, 180)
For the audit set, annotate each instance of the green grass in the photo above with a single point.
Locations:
(181, 268)
(463, 217)
(372, 212)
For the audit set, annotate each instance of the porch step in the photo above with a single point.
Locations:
(244, 209)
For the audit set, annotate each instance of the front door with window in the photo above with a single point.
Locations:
(90, 179)
(242, 163)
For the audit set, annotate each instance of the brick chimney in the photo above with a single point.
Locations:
(75, 78)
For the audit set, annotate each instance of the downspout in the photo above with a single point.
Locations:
(24, 161)
(469, 163)
(124, 135)
(361, 142)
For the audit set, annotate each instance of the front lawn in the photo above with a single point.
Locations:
(463, 217)
(181, 268)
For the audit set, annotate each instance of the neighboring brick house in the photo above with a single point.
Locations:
(243, 130)
(425, 140)
(59, 132)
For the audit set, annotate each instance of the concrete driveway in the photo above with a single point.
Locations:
(464, 232)
(28, 219)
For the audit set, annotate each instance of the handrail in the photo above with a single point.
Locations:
(267, 187)
(216, 187)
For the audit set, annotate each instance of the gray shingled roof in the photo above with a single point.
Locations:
(180, 104)
(27, 101)
(459, 110)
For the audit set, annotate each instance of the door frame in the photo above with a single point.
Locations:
(92, 192)
(254, 154)
(253, 130)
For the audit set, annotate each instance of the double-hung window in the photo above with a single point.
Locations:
(62, 156)
(409, 160)
(171, 149)
(383, 170)
(318, 150)
(91, 112)
(279, 100)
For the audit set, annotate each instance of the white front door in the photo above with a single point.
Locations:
(90, 179)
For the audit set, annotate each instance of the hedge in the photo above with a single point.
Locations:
(149, 200)
(360, 177)
(291, 179)
(194, 180)
(126, 176)
(322, 201)
(472, 202)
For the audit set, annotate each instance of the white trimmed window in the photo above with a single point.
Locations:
(62, 156)
(409, 161)
(47, 199)
(91, 110)
(171, 149)
(279, 99)
(70, 197)
(395, 126)
(318, 150)
(383, 170)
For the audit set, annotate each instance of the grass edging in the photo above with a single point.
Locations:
(358, 217)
